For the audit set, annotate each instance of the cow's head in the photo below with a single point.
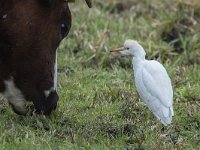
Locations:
(30, 32)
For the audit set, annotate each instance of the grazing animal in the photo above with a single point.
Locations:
(30, 32)
(152, 82)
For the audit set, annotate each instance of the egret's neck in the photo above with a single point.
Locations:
(139, 57)
(137, 63)
(140, 53)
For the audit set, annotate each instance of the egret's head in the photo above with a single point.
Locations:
(132, 48)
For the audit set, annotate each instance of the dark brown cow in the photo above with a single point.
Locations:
(30, 32)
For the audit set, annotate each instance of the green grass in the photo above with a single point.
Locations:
(99, 107)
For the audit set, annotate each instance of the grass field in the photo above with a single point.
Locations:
(99, 107)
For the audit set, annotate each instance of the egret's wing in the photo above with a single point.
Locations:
(157, 82)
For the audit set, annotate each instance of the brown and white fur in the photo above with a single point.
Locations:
(30, 32)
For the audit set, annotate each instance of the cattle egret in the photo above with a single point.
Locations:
(152, 82)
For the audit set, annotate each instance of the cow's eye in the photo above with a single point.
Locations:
(64, 29)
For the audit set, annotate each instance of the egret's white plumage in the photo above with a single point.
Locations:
(152, 82)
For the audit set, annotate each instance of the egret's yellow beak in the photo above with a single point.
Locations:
(117, 49)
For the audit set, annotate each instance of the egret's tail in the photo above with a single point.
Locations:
(164, 120)
(165, 116)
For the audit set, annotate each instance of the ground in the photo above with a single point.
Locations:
(99, 107)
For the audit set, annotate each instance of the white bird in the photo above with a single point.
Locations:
(152, 82)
